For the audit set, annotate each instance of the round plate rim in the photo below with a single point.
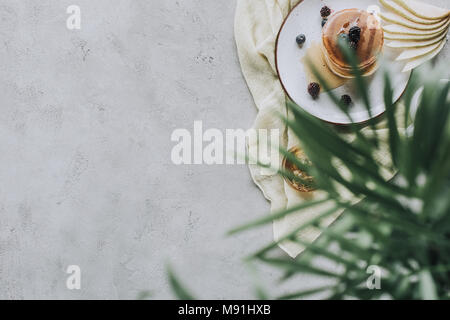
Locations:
(287, 93)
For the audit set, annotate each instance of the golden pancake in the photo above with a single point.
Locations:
(346, 72)
(369, 46)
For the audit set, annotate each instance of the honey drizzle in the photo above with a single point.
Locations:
(315, 56)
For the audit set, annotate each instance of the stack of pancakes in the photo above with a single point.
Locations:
(369, 46)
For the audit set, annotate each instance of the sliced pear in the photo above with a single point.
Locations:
(398, 9)
(397, 19)
(398, 29)
(419, 37)
(414, 63)
(415, 44)
(417, 52)
(423, 10)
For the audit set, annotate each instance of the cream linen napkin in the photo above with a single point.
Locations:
(257, 23)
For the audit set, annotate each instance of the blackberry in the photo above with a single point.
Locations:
(301, 38)
(314, 89)
(325, 12)
(346, 100)
(354, 34)
(324, 21)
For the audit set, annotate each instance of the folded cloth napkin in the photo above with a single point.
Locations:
(257, 23)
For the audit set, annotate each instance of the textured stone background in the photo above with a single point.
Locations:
(86, 177)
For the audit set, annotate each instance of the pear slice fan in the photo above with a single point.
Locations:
(424, 10)
(418, 28)
(399, 29)
(397, 19)
(393, 6)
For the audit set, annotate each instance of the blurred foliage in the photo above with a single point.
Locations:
(401, 225)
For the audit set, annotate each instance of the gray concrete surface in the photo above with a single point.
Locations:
(85, 171)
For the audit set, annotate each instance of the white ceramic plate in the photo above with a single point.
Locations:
(416, 99)
(415, 106)
(305, 18)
